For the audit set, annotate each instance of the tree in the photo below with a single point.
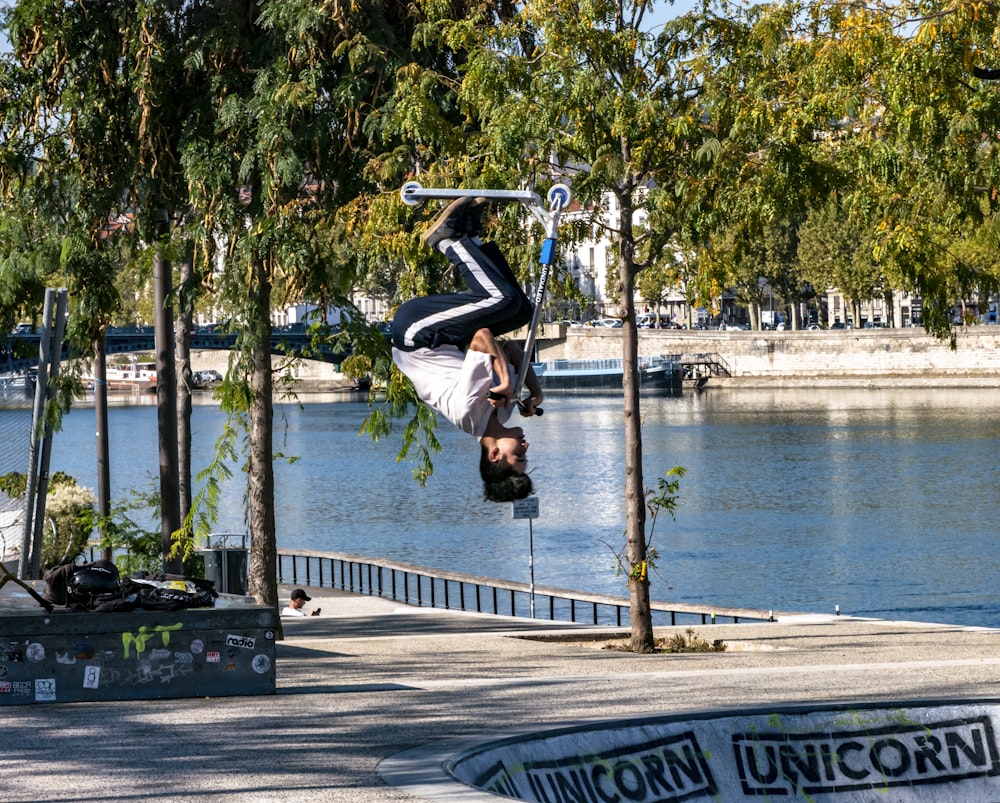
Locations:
(910, 130)
(255, 109)
(276, 181)
(559, 88)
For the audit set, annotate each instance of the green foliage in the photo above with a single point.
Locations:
(14, 484)
(662, 498)
(400, 402)
(135, 546)
(69, 510)
(689, 641)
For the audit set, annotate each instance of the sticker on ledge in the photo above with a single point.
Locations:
(45, 690)
(261, 663)
(91, 677)
(245, 642)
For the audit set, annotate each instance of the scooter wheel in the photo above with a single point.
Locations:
(409, 191)
(559, 194)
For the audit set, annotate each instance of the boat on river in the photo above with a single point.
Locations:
(22, 382)
(135, 376)
(657, 376)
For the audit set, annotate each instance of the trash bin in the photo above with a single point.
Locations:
(226, 560)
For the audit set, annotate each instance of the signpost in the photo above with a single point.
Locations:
(527, 508)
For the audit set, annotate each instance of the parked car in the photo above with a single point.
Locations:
(606, 323)
(206, 377)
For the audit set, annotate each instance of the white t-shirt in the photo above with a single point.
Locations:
(454, 384)
(290, 611)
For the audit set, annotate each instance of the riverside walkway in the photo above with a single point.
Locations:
(372, 696)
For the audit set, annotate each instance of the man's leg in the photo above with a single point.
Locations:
(493, 301)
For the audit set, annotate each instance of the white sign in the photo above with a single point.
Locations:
(526, 508)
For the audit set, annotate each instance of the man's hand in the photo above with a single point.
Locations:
(530, 406)
(497, 399)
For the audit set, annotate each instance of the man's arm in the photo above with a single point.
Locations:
(514, 352)
(484, 341)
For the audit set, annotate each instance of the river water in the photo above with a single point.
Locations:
(881, 502)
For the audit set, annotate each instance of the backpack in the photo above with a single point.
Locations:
(87, 586)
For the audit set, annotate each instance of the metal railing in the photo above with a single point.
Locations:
(418, 585)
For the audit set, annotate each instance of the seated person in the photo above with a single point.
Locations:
(297, 603)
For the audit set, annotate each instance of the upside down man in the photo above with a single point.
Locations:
(446, 344)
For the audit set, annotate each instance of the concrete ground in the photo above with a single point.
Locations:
(369, 679)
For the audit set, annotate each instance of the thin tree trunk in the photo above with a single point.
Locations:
(182, 345)
(103, 445)
(166, 394)
(635, 498)
(263, 581)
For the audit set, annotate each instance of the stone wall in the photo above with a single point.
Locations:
(861, 357)
(865, 356)
(307, 374)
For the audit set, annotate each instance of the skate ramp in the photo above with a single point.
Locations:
(937, 752)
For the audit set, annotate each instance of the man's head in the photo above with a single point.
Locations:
(299, 598)
(503, 463)
(502, 481)
(508, 446)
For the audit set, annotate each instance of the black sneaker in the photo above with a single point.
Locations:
(463, 217)
(474, 216)
(450, 224)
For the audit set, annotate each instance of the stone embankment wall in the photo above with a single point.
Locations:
(313, 375)
(861, 357)
(865, 357)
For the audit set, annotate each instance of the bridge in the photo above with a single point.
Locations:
(19, 353)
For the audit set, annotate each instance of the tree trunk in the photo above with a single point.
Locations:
(635, 497)
(103, 446)
(182, 345)
(263, 575)
(166, 394)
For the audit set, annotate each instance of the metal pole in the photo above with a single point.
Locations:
(528, 509)
(55, 357)
(42, 380)
(531, 567)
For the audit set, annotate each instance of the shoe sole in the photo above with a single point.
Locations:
(437, 230)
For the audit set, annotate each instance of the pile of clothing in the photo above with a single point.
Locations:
(98, 586)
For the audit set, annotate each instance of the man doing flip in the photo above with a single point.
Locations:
(446, 344)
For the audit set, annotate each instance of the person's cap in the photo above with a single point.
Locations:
(298, 593)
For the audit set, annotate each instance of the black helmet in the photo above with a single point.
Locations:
(94, 579)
